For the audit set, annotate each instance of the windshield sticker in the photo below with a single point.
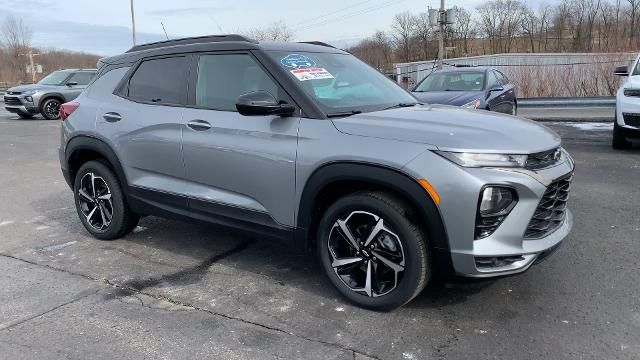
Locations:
(297, 61)
(312, 74)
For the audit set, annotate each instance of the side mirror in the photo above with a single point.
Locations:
(497, 88)
(262, 103)
(622, 71)
(72, 83)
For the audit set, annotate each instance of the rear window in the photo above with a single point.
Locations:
(160, 81)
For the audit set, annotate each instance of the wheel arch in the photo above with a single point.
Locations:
(81, 149)
(48, 96)
(337, 179)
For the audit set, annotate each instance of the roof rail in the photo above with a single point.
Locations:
(320, 43)
(192, 40)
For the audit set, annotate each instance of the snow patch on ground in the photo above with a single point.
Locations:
(591, 126)
(6, 222)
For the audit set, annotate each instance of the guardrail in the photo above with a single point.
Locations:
(594, 101)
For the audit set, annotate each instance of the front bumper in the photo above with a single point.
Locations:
(459, 189)
(626, 108)
(18, 104)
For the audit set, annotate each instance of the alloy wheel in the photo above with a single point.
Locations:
(94, 200)
(366, 254)
(52, 109)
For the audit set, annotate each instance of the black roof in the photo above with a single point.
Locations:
(213, 43)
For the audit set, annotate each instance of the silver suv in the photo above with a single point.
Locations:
(305, 143)
(48, 94)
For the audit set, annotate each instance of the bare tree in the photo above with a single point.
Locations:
(277, 31)
(16, 35)
(403, 26)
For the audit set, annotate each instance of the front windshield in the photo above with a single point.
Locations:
(341, 83)
(55, 78)
(452, 81)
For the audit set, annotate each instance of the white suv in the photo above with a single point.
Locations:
(626, 128)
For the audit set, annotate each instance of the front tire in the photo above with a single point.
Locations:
(372, 253)
(619, 142)
(100, 203)
(50, 109)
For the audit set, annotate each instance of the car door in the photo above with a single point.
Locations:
(143, 123)
(500, 95)
(239, 167)
(75, 83)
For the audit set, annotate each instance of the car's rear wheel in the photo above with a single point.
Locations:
(50, 109)
(619, 142)
(100, 203)
(371, 252)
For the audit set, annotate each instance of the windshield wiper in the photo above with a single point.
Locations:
(344, 113)
(401, 105)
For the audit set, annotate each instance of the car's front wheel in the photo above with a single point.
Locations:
(619, 142)
(100, 203)
(372, 253)
(50, 109)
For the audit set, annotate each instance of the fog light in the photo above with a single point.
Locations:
(494, 205)
(495, 200)
(28, 98)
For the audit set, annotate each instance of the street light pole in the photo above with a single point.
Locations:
(441, 20)
(133, 24)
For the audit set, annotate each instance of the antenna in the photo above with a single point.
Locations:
(165, 30)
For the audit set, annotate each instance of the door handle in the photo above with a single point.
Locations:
(112, 117)
(199, 125)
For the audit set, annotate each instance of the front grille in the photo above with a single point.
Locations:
(632, 119)
(551, 210)
(543, 160)
(14, 92)
(12, 100)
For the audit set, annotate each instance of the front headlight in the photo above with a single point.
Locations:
(632, 92)
(484, 160)
(475, 104)
(29, 92)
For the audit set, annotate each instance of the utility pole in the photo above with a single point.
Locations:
(133, 24)
(30, 54)
(442, 18)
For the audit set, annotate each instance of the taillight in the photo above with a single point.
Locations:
(67, 109)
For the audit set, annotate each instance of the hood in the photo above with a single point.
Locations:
(455, 98)
(453, 129)
(23, 88)
(633, 82)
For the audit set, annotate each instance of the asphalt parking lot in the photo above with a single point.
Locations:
(176, 290)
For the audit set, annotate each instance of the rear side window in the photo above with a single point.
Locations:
(159, 81)
(81, 78)
(223, 78)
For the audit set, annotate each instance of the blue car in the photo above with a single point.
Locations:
(469, 87)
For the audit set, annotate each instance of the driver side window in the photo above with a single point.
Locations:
(492, 80)
(223, 78)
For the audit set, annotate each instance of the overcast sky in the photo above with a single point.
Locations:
(104, 27)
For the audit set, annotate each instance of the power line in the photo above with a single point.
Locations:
(352, 14)
(331, 13)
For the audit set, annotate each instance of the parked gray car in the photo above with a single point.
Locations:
(305, 143)
(48, 94)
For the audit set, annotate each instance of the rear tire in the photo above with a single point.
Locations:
(50, 109)
(100, 202)
(396, 260)
(619, 142)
